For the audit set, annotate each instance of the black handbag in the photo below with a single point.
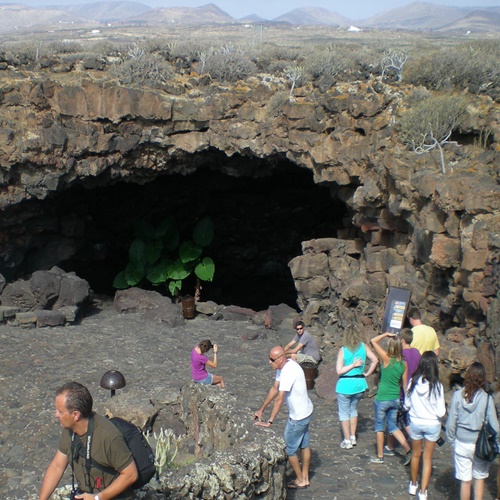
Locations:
(487, 444)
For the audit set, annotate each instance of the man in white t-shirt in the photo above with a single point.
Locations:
(290, 386)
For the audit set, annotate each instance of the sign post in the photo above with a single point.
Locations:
(396, 307)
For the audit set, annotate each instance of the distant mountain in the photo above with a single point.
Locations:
(16, 17)
(468, 10)
(253, 19)
(478, 21)
(107, 12)
(416, 16)
(313, 15)
(207, 14)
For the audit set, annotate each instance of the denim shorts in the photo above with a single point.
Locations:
(428, 432)
(207, 380)
(296, 435)
(386, 412)
(348, 405)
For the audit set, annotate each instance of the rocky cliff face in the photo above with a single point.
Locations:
(405, 224)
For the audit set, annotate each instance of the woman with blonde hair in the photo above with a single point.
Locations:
(351, 385)
(465, 418)
(393, 373)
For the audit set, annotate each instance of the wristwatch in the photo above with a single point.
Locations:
(96, 497)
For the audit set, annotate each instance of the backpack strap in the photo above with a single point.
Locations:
(77, 450)
(485, 419)
(90, 436)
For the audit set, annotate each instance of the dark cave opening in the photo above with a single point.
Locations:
(260, 223)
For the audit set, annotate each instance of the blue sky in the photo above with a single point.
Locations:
(354, 9)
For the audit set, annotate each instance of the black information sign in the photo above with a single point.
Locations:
(395, 309)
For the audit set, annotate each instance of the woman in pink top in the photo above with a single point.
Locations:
(198, 362)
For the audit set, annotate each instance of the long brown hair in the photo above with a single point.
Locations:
(475, 379)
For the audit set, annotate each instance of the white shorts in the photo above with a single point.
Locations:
(467, 465)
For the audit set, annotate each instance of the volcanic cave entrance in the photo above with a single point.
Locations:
(259, 221)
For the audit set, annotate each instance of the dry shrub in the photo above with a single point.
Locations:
(277, 102)
(432, 118)
(56, 48)
(417, 95)
(469, 63)
(342, 61)
(146, 69)
(273, 59)
(327, 63)
(226, 64)
(105, 48)
(20, 54)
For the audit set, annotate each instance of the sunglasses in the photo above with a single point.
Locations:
(273, 360)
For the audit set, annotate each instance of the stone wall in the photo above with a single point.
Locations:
(237, 460)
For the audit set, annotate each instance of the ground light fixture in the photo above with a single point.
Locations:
(113, 380)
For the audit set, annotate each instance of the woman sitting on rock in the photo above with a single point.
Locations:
(393, 372)
(199, 362)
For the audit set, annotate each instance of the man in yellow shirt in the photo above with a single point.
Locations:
(424, 337)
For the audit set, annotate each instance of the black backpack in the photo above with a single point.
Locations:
(142, 453)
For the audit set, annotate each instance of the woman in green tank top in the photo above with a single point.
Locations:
(393, 372)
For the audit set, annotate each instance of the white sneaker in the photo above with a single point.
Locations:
(353, 440)
(346, 445)
(412, 488)
(422, 495)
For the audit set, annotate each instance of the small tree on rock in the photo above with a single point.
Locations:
(429, 124)
(293, 73)
(394, 60)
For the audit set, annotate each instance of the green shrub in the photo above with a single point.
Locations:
(152, 256)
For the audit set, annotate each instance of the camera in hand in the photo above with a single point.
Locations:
(74, 492)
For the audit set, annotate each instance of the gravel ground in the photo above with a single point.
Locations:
(35, 362)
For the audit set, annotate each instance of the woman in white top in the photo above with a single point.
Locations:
(425, 400)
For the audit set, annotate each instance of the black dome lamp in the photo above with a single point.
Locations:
(113, 380)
